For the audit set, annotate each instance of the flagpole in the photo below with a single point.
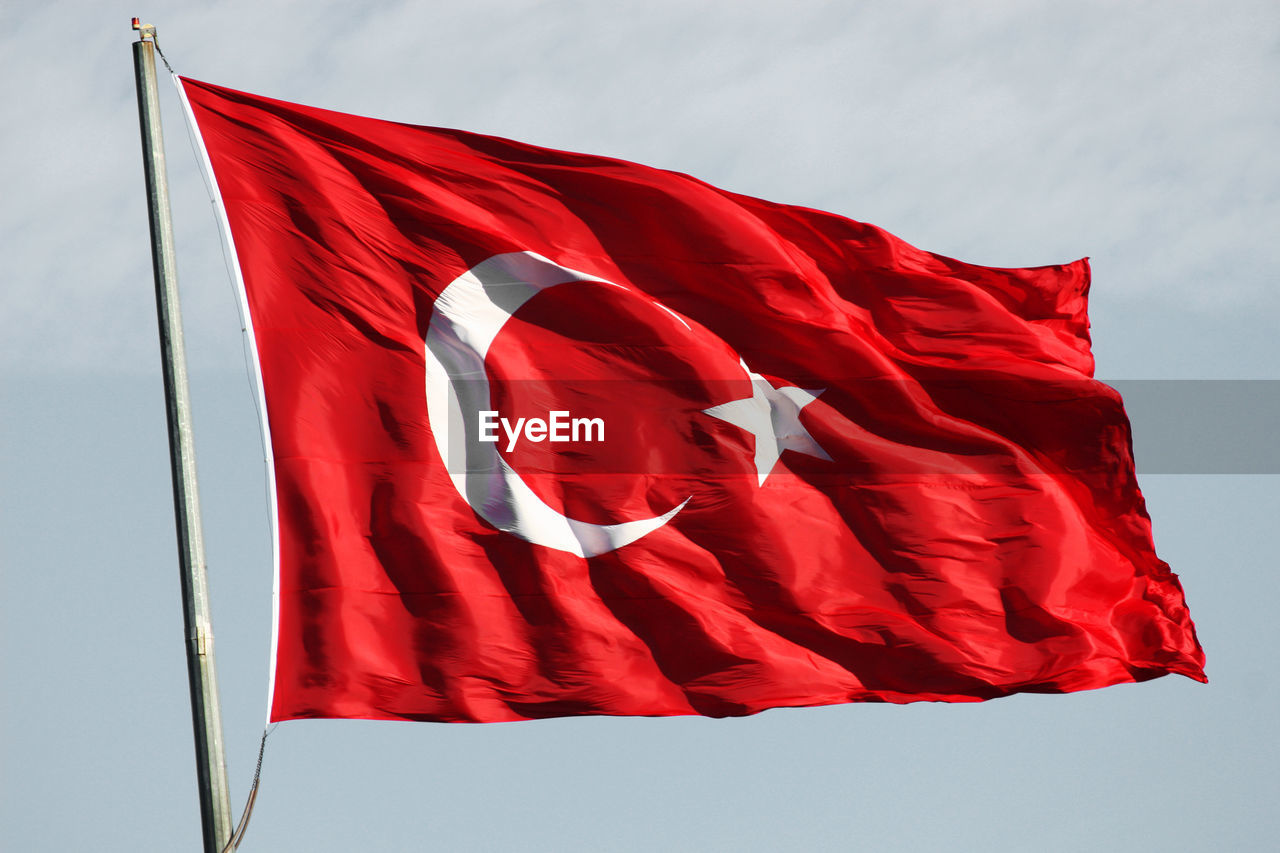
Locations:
(211, 769)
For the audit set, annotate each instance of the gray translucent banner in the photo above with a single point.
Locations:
(1178, 426)
(1204, 426)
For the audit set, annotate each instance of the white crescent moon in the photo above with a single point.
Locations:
(467, 317)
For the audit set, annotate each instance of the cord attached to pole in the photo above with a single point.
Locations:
(234, 842)
(147, 32)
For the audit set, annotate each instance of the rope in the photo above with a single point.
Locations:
(246, 354)
(236, 837)
(156, 41)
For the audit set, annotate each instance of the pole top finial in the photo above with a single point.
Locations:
(145, 31)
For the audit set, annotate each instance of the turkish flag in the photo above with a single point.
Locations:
(556, 434)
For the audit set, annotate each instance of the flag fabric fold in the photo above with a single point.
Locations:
(555, 434)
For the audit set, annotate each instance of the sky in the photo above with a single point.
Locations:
(1142, 135)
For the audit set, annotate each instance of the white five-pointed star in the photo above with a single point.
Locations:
(772, 415)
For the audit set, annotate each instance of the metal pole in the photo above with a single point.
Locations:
(211, 769)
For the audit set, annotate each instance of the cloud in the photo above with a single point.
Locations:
(1003, 133)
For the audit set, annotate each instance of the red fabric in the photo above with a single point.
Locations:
(977, 530)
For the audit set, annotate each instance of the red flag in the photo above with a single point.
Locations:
(555, 434)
